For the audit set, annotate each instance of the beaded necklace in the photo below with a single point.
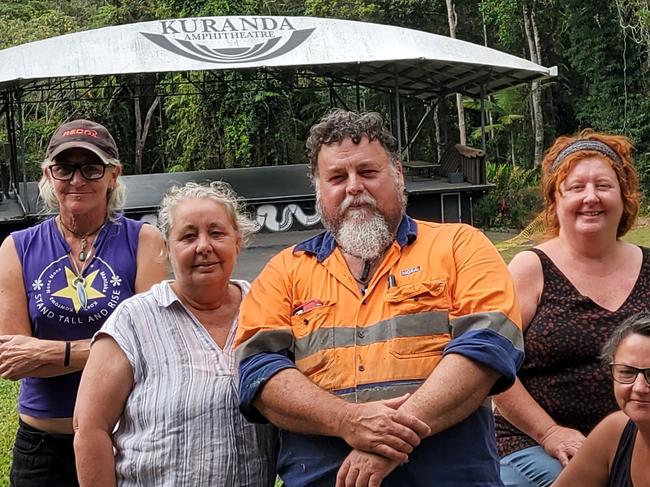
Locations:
(83, 255)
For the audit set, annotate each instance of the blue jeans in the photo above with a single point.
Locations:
(42, 459)
(530, 467)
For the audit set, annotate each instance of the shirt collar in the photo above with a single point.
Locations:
(323, 244)
(163, 293)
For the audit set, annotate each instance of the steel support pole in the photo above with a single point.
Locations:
(20, 139)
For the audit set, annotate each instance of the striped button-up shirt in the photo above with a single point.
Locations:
(181, 425)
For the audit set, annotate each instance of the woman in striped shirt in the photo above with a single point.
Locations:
(162, 367)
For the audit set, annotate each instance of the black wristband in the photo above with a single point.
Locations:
(66, 356)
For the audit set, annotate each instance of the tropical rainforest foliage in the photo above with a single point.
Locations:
(237, 119)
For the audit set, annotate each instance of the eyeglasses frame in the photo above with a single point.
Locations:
(645, 372)
(77, 167)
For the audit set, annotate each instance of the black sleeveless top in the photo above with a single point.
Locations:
(621, 473)
(562, 370)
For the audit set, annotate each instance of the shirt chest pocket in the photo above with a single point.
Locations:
(416, 297)
(420, 323)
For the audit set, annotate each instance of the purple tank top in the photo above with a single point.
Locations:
(55, 310)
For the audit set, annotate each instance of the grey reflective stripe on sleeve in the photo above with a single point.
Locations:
(493, 320)
(378, 392)
(270, 341)
(414, 325)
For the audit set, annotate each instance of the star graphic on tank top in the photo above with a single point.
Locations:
(71, 292)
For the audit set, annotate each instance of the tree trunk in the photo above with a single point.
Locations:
(532, 37)
(453, 21)
(141, 129)
(537, 98)
(137, 156)
(437, 131)
(488, 113)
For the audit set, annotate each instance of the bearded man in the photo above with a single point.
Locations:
(373, 346)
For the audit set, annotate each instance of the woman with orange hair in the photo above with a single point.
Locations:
(574, 290)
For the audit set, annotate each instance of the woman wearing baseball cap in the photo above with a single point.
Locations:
(61, 279)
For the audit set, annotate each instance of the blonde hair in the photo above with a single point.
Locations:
(115, 198)
(217, 191)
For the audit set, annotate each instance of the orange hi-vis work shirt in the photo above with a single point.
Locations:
(448, 281)
(440, 289)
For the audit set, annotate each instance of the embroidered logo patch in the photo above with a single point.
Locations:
(412, 270)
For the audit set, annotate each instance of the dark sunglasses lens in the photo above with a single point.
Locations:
(92, 171)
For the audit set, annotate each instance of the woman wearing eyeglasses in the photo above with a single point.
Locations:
(574, 289)
(617, 452)
(60, 280)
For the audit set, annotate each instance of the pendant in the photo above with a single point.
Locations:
(84, 244)
(79, 284)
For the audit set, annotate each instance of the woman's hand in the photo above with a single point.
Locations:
(20, 355)
(562, 443)
(24, 356)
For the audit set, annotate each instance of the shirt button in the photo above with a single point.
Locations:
(361, 334)
(361, 368)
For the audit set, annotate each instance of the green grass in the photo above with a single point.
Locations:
(9, 390)
(511, 252)
(639, 236)
(8, 425)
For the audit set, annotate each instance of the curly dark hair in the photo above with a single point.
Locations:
(339, 124)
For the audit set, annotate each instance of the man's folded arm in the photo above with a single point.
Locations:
(272, 389)
(457, 387)
(486, 348)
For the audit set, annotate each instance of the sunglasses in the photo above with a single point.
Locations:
(91, 171)
(626, 374)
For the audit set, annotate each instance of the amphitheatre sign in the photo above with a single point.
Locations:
(228, 40)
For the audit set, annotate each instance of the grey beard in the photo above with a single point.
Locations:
(366, 239)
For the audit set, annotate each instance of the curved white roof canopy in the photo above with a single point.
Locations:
(426, 65)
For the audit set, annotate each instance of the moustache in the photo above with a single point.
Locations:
(363, 199)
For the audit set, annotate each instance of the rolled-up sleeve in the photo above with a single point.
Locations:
(264, 343)
(485, 320)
